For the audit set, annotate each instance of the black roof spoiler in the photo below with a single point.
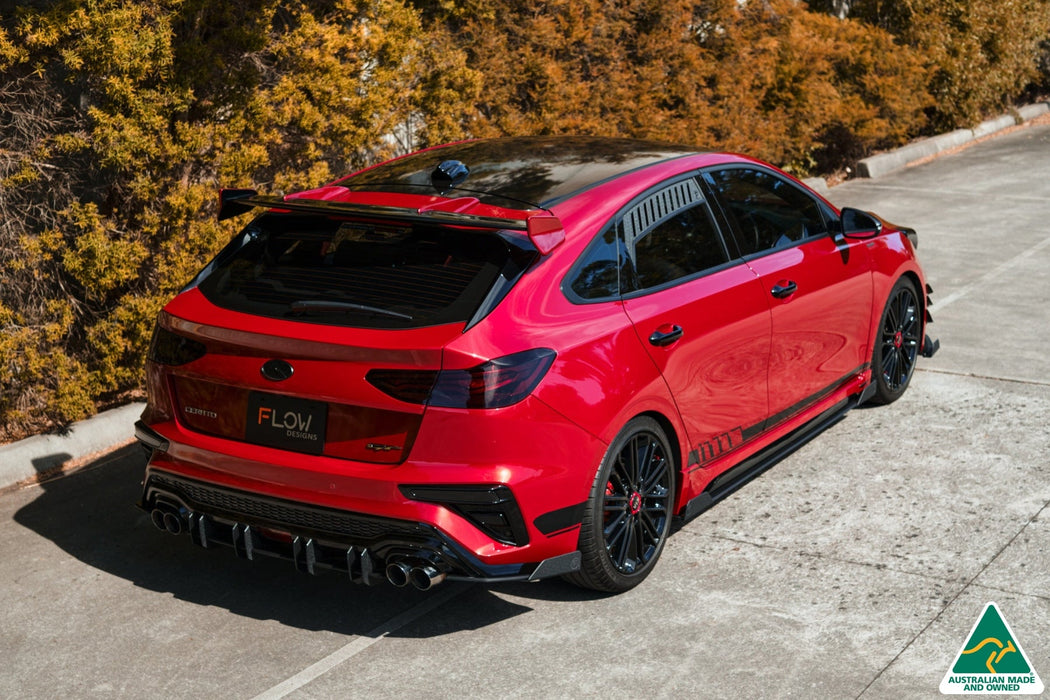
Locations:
(544, 229)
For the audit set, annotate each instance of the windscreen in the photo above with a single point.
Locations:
(353, 273)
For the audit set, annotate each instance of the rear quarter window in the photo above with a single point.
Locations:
(597, 275)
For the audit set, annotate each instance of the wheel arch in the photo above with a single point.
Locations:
(920, 286)
(915, 276)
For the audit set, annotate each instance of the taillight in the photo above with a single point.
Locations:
(411, 386)
(495, 384)
(167, 348)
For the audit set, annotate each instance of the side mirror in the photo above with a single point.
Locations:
(859, 224)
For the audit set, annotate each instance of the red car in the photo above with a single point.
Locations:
(515, 359)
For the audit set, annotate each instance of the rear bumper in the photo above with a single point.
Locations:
(367, 549)
(509, 512)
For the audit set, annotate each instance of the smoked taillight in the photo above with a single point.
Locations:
(494, 384)
(168, 348)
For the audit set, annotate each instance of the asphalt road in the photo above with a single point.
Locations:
(854, 568)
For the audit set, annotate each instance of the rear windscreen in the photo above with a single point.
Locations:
(321, 270)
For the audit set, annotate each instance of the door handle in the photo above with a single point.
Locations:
(784, 289)
(663, 338)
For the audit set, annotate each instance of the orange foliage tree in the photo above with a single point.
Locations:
(799, 88)
(981, 54)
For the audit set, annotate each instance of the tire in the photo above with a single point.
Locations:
(897, 344)
(628, 515)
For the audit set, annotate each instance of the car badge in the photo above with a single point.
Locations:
(277, 370)
(379, 447)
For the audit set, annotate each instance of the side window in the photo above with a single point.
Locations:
(670, 236)
(597, 275)
(767, 211)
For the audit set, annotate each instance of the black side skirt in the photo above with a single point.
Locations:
(732, 479)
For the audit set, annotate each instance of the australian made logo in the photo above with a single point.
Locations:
(991, 661)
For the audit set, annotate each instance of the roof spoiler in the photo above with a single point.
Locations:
(544, 230)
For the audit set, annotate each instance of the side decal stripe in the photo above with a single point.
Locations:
(717, 447)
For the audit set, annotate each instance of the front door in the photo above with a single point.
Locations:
(818, 285)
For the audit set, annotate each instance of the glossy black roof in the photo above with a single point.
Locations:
(537, 171)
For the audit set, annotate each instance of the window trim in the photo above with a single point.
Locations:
(637, 293)
(623, 248)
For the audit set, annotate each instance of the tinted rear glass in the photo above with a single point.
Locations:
(320, 270)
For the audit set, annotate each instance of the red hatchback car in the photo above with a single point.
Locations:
(514, 359)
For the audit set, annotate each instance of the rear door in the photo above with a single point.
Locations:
(817, 282)
(703, 318)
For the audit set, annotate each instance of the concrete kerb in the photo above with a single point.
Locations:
(885, 163)
(38, 456)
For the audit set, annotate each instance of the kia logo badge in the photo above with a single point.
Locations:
(277, 370)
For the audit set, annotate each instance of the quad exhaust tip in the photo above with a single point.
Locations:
(425, 577)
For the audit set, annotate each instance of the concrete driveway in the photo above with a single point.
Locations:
(854, 568)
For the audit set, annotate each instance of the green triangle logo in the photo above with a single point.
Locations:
(991, 661)
(991, 648)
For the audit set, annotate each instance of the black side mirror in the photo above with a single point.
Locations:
(860, 224)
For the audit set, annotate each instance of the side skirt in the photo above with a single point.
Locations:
(732, 479)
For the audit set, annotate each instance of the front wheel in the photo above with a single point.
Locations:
(897, 345)
(628, 515)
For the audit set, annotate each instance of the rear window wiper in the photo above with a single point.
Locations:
(305, 307)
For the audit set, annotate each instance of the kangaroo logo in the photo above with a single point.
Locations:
(997, 654)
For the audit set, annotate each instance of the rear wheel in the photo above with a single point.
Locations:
(897, 345)
(628, 515)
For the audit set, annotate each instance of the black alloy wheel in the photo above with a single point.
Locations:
(628, 515)
(897, 349)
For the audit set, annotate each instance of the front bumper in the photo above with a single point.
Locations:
(930, 346)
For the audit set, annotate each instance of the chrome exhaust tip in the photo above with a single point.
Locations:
(425, 577)
(398, 573)
(173, 523)
(156, 517)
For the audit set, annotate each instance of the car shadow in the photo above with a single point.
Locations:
(90, 515)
